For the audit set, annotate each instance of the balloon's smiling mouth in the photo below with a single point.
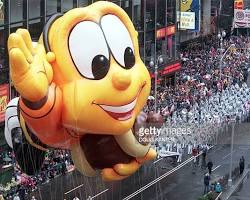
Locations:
(122, 112)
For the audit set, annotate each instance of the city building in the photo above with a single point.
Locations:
(205, 13)
(160, 39)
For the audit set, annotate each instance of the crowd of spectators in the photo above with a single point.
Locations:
(57, 162)
(200, 76)
(209, 93)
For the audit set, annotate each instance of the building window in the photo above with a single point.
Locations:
(3, 59)
(161, 14)
(117, 2)
(16, 11)
(35, 29)
(67, 5)
(34, 9)
(150, 31)
(51, 7)
(83, 3)
(161, 47)
(138, 17)
(138, 21)
(171, 12)
(127, 6)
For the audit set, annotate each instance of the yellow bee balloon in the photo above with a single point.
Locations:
(82, 86)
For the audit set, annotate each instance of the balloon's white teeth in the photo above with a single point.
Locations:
(124, 118)
(119, 109)
(130, 145)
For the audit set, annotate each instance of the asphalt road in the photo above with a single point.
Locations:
(155, 181)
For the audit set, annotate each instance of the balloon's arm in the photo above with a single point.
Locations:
(30, 67)
(44, 117)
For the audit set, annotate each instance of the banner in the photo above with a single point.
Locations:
(4, 100)
(241, 18)
(187, 20)
(192, 6)
(163, 32)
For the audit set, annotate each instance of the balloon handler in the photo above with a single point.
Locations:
(82, 87)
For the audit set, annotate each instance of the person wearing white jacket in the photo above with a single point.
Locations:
(180, 151)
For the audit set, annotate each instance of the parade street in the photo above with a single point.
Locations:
(159, 180)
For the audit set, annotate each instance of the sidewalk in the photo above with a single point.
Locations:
(228, 193)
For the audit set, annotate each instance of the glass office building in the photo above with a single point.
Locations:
(155, 21)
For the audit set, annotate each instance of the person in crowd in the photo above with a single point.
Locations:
(218, 188)
(22, 192)
(204, 154)
(198, 157)
(16, 197)
(203, 164)
(242, 164)
(180, 151)
(206, 183)
(64, 168)
(194, 154)
(210, 166)
(190, 148)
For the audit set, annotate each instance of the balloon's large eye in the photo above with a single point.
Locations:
(89, 50)
(119, 40)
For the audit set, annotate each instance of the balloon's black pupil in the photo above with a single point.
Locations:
(100, 66)
(129, 58)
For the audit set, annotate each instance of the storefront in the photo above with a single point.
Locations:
(167, 75)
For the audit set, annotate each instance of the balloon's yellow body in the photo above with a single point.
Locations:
(81, 88)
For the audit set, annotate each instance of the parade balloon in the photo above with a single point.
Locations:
(81, 86)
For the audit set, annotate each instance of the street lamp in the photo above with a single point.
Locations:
(232, 120)
(222, 57)
(221, 36)
(155, 65)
